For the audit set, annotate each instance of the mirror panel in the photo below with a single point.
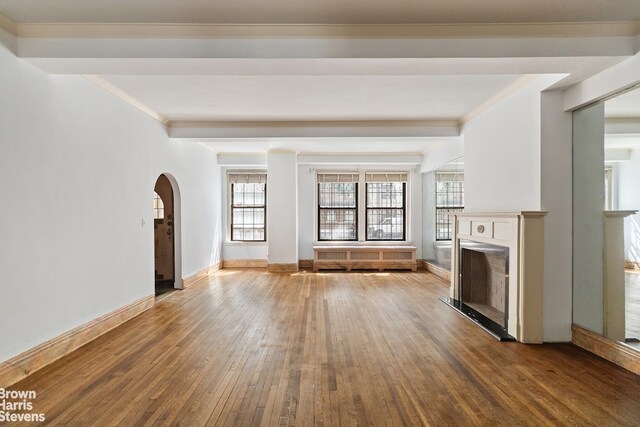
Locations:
(606, 226)
(444, 194)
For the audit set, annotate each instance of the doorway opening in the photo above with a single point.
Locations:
(164, 236)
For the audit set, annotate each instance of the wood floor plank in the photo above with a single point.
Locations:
(251, 348)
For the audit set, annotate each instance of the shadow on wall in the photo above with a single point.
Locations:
(216, 245)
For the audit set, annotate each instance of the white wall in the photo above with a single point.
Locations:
(502, 155)
(517, 158)
(306, 196)
(307, 207)
(78, 168)
(628, 193)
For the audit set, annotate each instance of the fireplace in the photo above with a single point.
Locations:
(497, 272)
(484, 285)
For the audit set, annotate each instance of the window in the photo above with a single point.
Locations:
(158, 206)
(449, 199)
(338, 206)
(248, 206)
(386, 200)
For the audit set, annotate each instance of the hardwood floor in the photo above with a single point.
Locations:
(359, 348)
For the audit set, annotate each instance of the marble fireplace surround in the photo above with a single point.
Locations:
(523, 233)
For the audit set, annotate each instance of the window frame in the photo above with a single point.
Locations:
(404, 214)
(356, 209)
(232, 206)
(360, 178)
(158, 206)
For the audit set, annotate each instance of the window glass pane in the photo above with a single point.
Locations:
(248, 194)
(158, 206)
(337, 224)
(337, 194)
(444, 225)
(248, 224)
(385, 195)
(449, 190)
(385, 224)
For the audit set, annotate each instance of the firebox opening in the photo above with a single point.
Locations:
(484, 280)
(484, 286)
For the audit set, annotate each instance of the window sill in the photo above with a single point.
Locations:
(236, 243)
(363, 243)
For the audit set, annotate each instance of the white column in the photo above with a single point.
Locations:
(556, 199)
(282, 211)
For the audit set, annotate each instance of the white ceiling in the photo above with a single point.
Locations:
(625, 105)
(248, 78)
(219, 98)
(320, 11)
(368, 145)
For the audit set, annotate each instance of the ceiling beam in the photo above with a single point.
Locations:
(319, 48)
(339, 31)
(605, 84)
(312, 129)
(622, 126)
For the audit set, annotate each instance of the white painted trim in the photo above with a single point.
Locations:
(514, 87)
(394, 31)
(119, 93)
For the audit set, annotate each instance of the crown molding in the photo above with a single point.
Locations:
(514, 87)
(387, 31)
(8, 25)
(119, 93)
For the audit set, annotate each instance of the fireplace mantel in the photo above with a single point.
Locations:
(523, 233)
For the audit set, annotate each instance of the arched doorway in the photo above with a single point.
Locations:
(164, 233)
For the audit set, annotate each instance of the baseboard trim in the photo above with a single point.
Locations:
(613, 351)
(305, 263)
(200, 275)
(438, 271)
(244, 263)
(282, 268)
(24, 364)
